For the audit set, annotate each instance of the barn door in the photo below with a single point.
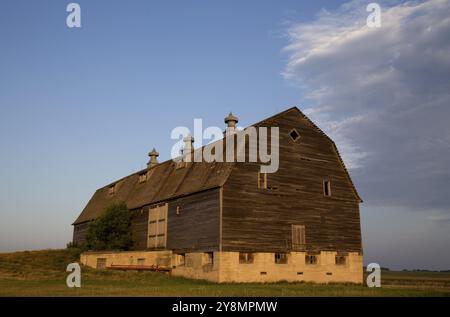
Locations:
(157, 227)
(298, 237)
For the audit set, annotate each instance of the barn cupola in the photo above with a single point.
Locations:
(188, 149)
(153, 158)
(231, 121)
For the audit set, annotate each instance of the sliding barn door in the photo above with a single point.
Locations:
(157, 226)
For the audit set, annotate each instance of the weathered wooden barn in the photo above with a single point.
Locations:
(228, 222)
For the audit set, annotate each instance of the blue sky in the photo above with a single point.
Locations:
(80, 108)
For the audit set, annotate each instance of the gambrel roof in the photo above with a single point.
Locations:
(165, 181)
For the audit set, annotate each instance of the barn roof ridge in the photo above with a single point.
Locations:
(140, 171)
(165, 181)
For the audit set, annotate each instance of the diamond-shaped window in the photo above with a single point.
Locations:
(294, 135)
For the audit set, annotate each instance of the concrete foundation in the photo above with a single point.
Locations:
(223, 267)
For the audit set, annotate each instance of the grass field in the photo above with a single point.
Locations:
(42, 273)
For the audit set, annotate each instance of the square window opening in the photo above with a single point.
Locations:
(281, 258)
(180, 259)
(101, 263)
(209, 258)
(246, 258)
(180, 164)
(311, 259)
(142, 178)
(341, 260)
(112, 189)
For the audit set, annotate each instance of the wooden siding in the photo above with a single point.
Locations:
(240, 216)
(257, 219)
(196, 228)
(79, 232)
(139, 224)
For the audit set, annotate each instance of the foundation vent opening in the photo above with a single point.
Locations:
(141, 261)
(263, 273)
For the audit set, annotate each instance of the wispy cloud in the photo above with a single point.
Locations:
(383, 94)
(443, 220)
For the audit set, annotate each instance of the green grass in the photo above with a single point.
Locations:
(42, 273)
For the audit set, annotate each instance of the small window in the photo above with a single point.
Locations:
(294, 135)
(209, 258)
(280, 258)
(189, 261)
(180, 164)
(311, 259)
(142, 177)
(246, 258)
(327, 188)
(101, 263)
(180, 259)
(112, 189)
(141, 261)
(262, 180)
(341, 260)
(178, 210)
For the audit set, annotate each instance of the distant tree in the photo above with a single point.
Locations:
(111, 231)
(73, 250)
(72, 245)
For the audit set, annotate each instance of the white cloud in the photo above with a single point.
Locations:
(383, 95)
(440, 219)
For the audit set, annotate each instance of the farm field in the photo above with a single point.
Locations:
(42, 273)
